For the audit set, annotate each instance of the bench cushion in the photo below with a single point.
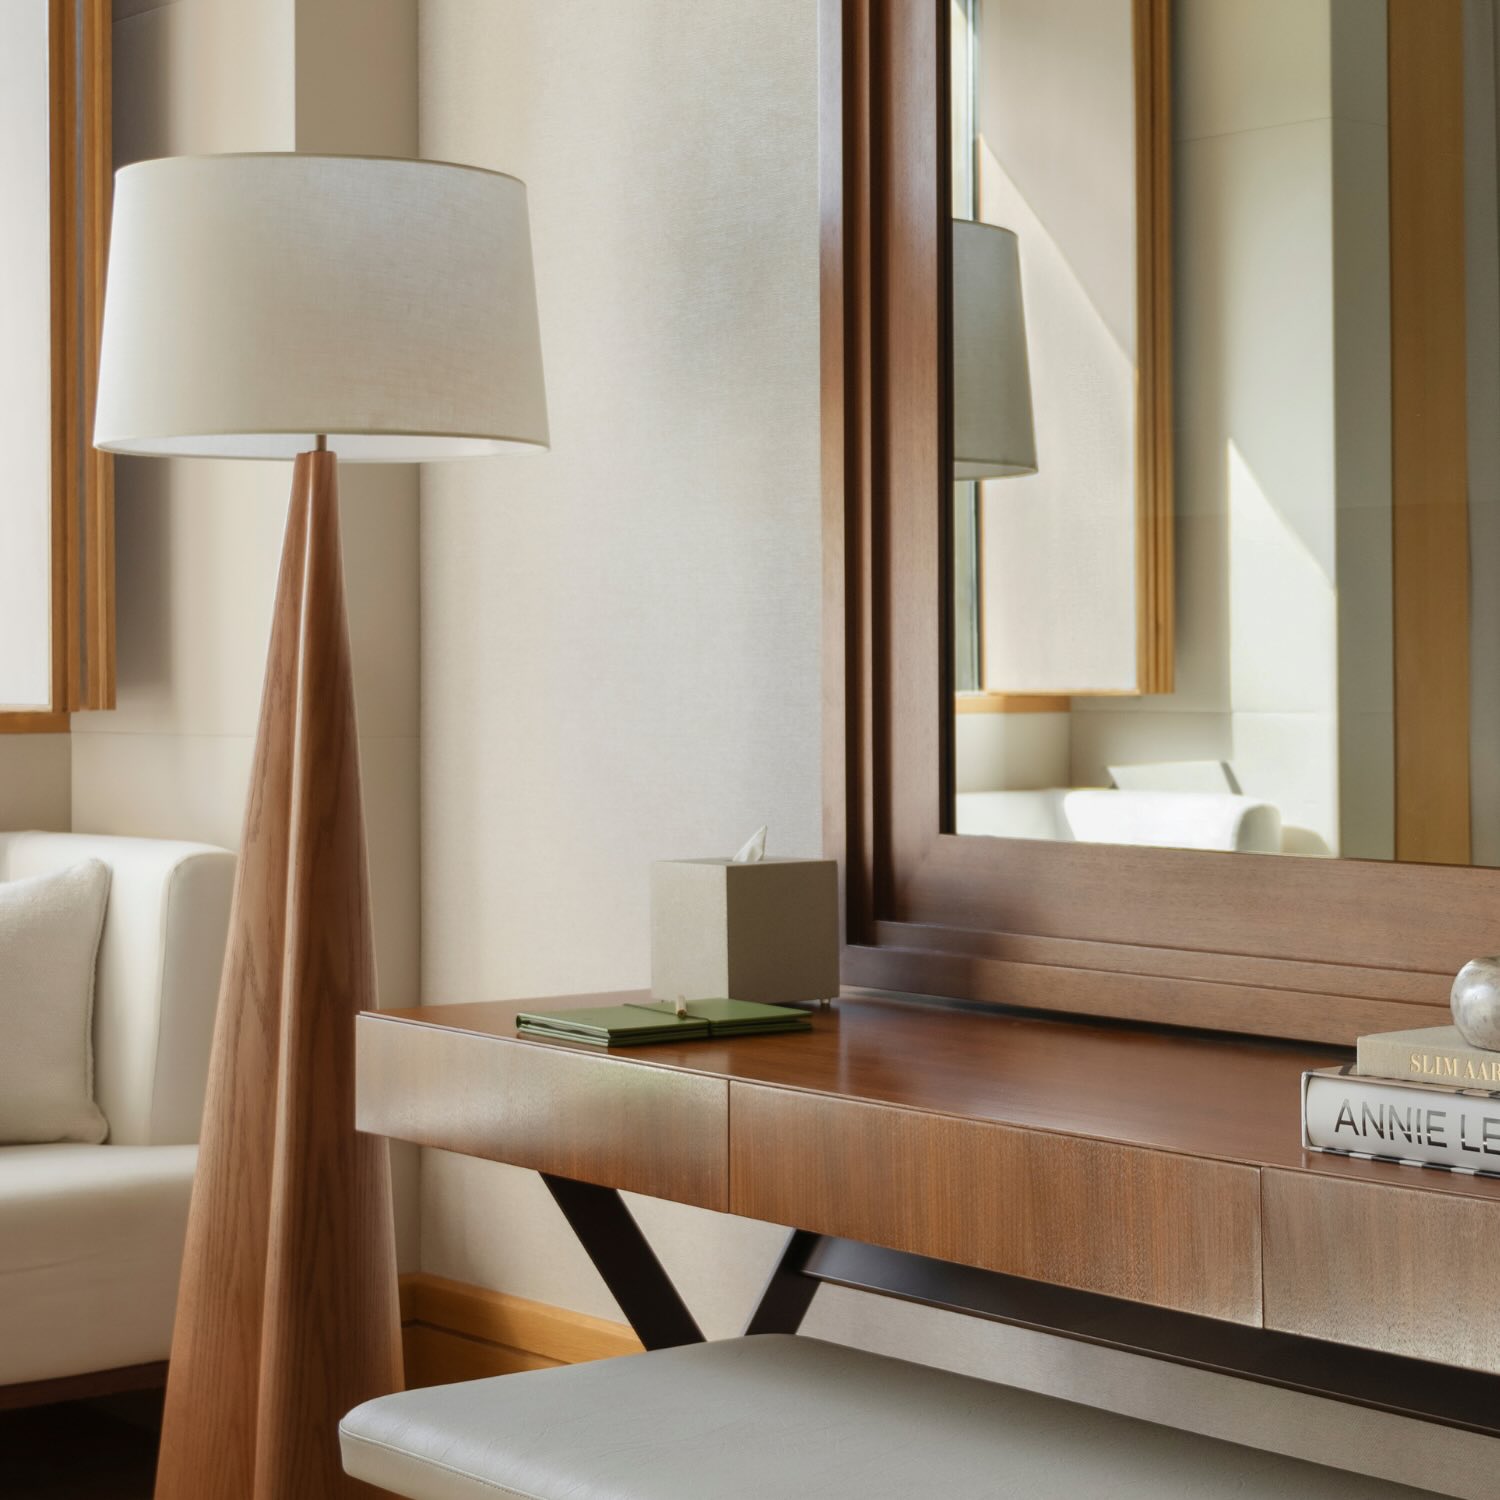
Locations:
(782, 1418)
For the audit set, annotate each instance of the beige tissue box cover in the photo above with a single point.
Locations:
(765, 931)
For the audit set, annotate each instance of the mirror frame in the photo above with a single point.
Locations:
(1320, 950)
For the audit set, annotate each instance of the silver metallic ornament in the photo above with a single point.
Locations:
(1476, 1002)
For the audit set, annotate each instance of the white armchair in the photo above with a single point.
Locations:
(91, 1236)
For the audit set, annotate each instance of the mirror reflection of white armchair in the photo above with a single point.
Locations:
(1096, 815)
(91, 1236)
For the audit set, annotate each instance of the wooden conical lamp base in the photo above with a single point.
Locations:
(287, 1313)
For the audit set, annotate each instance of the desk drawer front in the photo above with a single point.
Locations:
(1173, 1231)
(1391, 1268)
(594, 1118)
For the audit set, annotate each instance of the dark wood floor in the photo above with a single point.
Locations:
(82, 1450)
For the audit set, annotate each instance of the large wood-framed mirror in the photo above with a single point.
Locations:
(1335, 264)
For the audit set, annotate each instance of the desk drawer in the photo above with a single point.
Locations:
(1173, 1231)
(575, 1114)
(1403, 1270)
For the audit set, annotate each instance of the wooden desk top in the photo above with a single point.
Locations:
(1161, 1168)
(1204, 1095)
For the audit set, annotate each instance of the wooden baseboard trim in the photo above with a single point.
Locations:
(454, 1331)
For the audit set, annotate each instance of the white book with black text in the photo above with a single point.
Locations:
(1423, 1124)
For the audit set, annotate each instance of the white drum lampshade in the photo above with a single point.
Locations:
(993, 434)
(257, 302)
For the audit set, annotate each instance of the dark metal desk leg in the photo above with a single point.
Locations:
(789, 1292)
(621, 1255)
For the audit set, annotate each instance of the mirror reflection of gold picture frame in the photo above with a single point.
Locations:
(1075, 562)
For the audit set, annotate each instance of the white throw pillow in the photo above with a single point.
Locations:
(49, 942)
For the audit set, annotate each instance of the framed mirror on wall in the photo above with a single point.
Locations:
(57, 505)
(1316, 269)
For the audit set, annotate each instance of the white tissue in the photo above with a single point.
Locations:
(753, 850)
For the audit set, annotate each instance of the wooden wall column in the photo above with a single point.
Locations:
(1429, 431)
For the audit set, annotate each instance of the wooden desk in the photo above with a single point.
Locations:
(1142, 1188)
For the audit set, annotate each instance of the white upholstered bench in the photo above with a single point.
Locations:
(781, 1417)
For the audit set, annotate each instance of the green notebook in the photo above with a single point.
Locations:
(611, 1026)
(657, 1021)
(738, 1017)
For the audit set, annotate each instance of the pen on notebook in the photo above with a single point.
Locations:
(679, 1006)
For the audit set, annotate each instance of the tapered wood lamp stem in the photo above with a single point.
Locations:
(287, 1314)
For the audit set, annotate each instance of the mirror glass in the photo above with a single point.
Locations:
(1225, 416)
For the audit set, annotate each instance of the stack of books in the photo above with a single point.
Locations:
(647, 1021)
(1425, 1098)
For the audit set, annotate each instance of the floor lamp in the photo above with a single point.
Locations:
(303, 307)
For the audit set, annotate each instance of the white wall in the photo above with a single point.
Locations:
(198, 542)
(620, 639)
(1010, 752)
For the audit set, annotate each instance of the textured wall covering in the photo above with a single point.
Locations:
(620, 637)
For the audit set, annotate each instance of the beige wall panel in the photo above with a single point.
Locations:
(171, 786)
(35, 775)
(197, 545)
(620, 650)
(378, 510)
(202, 75)
(1246, 64)
(389, 770)
(494, 1225)
(356, 90)
(1010, 751)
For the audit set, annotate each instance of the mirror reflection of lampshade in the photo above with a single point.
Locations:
(993, 435)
